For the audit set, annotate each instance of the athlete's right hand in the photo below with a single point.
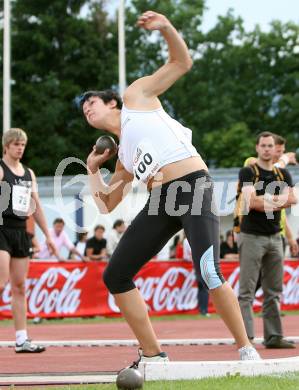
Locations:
(151, 20)
(96, 160)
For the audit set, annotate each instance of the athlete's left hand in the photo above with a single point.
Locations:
(151, 20)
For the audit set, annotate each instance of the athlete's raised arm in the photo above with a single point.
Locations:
(179, 61)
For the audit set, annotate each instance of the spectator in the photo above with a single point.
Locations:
(80, 245)
(202, 292)
(229, 248)
(221, 238)
(280, 158)
(61, 240)
(119, 228)
(179, 250)
(172, 249)
(260, 243)
(96, 245)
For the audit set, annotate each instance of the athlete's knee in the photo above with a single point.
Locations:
(210, 271)
(117, 282)
(108, 278)
(18, 288)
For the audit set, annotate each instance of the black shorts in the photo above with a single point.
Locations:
(14, 241)
(185, 203)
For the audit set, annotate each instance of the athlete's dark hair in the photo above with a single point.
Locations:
(106, 95)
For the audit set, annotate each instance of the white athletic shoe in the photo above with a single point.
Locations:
(29, 347)
(249, 353)
(161, 357)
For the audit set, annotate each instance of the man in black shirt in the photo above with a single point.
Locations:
(260, 243)
(96, 245)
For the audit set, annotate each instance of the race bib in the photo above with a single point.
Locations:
(146, 161)
(21, 199)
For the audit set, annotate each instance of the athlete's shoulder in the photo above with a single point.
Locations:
(135, 99)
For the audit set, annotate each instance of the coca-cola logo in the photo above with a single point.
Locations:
(176, 289)
(290, 292)
(44, 297)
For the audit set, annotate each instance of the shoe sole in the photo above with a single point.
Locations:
(36, 351)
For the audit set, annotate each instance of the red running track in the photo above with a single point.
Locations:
(101, 359)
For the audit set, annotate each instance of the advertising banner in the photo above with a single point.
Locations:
(75, 289)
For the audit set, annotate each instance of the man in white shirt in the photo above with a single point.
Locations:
(61, 240)
(119, 228)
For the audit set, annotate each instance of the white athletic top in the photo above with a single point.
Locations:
(150, 140)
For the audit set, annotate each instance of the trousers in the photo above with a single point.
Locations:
(261, 255)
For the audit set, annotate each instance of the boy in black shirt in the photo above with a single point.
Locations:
(19, 199)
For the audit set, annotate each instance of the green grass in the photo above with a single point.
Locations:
(276, 382)
(96, 320)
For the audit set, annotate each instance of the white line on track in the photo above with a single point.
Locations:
(132, 342)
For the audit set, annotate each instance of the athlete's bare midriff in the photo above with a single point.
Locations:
(176, 170)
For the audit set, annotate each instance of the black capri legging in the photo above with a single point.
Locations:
(185, 203)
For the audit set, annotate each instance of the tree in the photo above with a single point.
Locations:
(56, 55)
(229, 147)
(241, 82)
(247, 77)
